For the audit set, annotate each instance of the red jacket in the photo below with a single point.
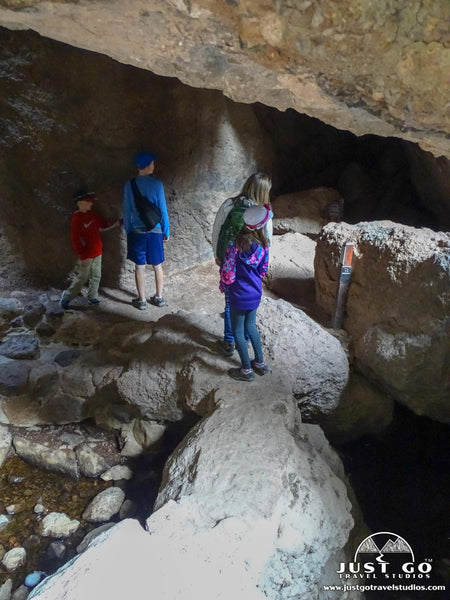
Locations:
(85, 233)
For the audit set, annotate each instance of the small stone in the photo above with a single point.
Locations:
(5, 590)
(14, 558)
(116, 473)
(4, 522)
(105, 505)
(58, 525)
(56, 550)
(21, 593)
(39, 509)
(32, 541)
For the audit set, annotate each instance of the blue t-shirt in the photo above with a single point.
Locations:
(150, 188)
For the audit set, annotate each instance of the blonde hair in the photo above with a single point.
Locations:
(246, 238)
(257, 188)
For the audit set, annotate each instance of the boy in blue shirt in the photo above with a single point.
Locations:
(146, 246)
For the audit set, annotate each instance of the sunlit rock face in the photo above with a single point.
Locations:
(369, 67)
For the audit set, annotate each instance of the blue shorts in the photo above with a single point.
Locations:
(145, 248)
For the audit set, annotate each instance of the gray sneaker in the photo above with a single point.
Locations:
(226, 348)
(156, 301)
(240, 375)
(139, 304)
(260, 368)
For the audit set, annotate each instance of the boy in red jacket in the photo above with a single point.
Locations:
(85, 227)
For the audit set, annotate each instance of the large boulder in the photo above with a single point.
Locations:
(307, 211)
(291, 269)
(160, 371)
(284, 530)
(178, 367)
(397, 309)
(252, 506)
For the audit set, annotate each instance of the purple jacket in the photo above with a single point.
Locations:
(241, 275)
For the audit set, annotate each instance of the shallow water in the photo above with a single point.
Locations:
(23, 486)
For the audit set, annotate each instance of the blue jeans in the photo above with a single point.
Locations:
(241, 322)
(227, 329)
(228, 334)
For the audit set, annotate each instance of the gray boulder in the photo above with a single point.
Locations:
(307, 211)
(252, 506)
(178, 367)
(397, 310)
(105, 505)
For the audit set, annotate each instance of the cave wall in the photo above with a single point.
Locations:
(70, 118)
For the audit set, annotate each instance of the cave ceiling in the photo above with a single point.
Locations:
(368, 67)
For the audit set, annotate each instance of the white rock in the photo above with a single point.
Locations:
(105, 505)
(251, 508)
(58, 525)
(117, 473)
(14, 558)
(397, 309)
(4, 521)
(266, 490)
(91, 462)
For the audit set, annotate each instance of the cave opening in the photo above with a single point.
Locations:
(71, 118)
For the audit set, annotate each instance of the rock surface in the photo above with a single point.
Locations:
(282, 55)
(306, 212)
(159, 372)
(232, 515)
(105, 505)
(291, 271)
(397, 309)
(207, 145)
(58, 525)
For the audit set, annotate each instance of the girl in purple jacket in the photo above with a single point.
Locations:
(241, 273)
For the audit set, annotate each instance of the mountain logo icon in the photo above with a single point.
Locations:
(382, 543)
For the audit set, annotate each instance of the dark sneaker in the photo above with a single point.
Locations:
(226, 348)
(240, 375)
(64, 302)
(139, 304)
(157, 301)
(94, 302)
(260, 368)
